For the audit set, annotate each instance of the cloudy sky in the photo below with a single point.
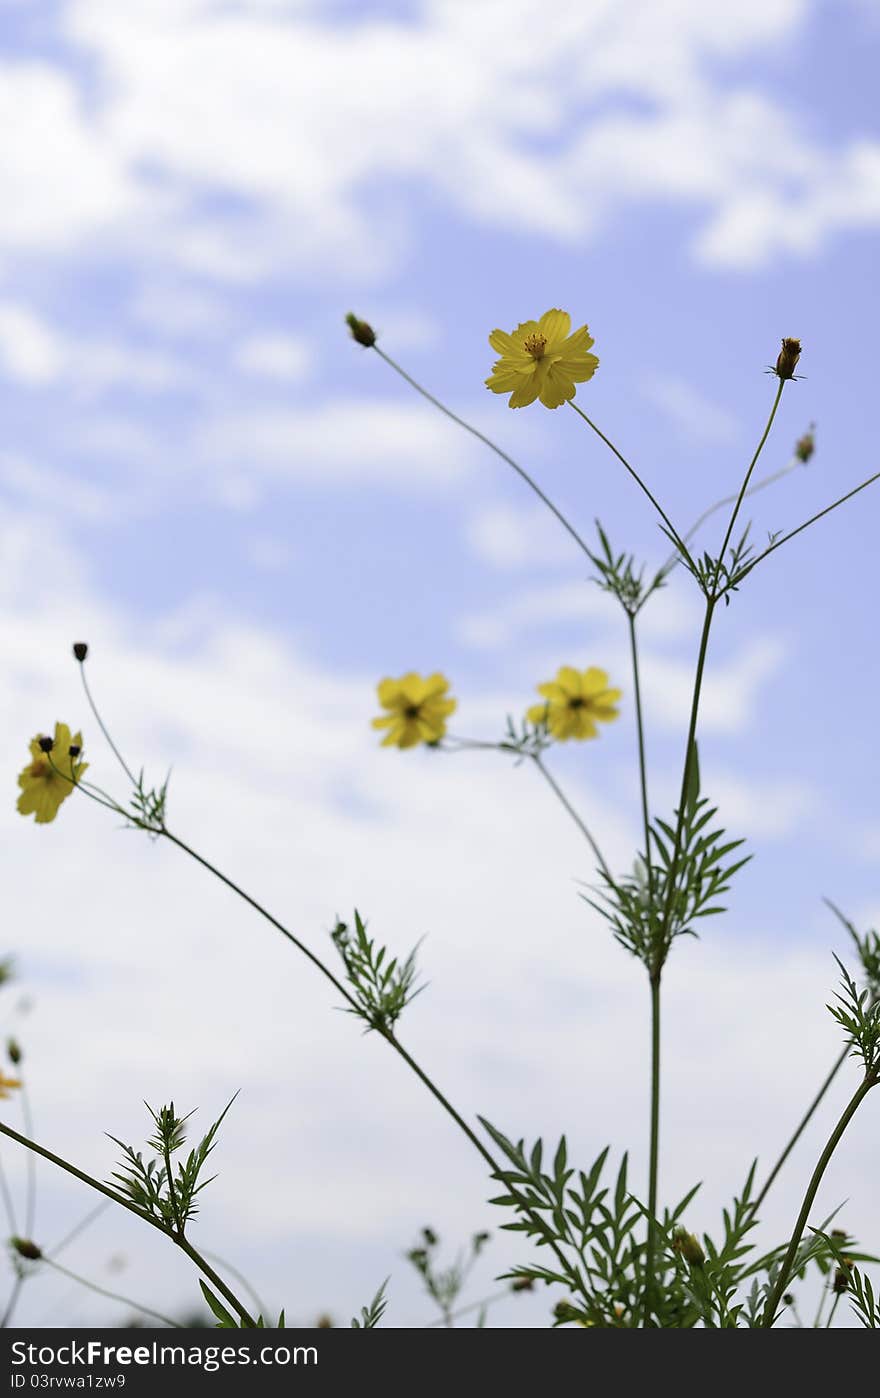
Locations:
(251, 520)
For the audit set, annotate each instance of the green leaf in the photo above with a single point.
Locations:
(226, 1321)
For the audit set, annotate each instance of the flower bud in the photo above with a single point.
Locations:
(687, 1245)
(523, 1284)
(565, 1311)
(74, 750)
(788, 358)
(361, 331)
(806, 445)
(80, 650)
(324, 1322)
(841, 1279)
(46, 744)
(25, 1248)
(13, 1048)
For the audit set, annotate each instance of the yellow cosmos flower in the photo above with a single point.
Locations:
(42, 787)
(417, 709)
(540, 359)
(6, 1084)
(574, 703)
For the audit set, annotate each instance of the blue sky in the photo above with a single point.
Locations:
(253, 519)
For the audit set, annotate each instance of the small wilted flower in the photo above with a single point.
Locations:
(417, 709)
(324, 1322)
(46, 783)
(566, 1312)
(688, 1247)
(540, 359)
(788, 358)
(361, 331)
(13, 1048)
(25, 1248)
(574, 703)
(80, 650)
(806, 445)
(841, 1278)
(523, 1284)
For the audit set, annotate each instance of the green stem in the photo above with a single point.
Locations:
(581, 825)
(111, 1295)
(835, 1304)
(785, 1271)
(654, 1161)
(745, 484)
(100, 722)
(637, 478)
(487, 441)
(800, 1129)
(643, 770)
(109, 1193)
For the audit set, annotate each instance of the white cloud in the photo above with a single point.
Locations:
(508, 537)
(345, 441)
(274, 357)
(453, 98)
(28, 349)
(694, 416)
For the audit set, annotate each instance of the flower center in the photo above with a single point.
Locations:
(411, 711)
(577, 703)
(535, 345)
(39, 768)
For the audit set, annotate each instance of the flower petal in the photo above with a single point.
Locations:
(555, 325)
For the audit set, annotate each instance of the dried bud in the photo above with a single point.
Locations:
(74, 750)
(838, 1233)
(430, 1237)
(806, 445)
(841, 1279)
(324, 1322)
(788, 1299)
(46, 744)
(687, 1245)
(25, 1248)
(13, 1048)
(523, 1284)
(361, 331)
(788, 359)
(80, 650)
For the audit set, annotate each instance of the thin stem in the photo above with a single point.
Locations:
(112, 1295)
(654, 1162)
(748, 476)
(719, 505)
(258, 907)
(481, 437)
(12, 1302)
(685, 780)
(7, 1201)
(643, 771)
(805, 1120)
(100, 722)
(823, 1297)
(777, 544)
(833, 1309)
(77, 1229)
(109, 1193)
(785, 1271)
(581, 825)
(468, 1309)
(31, 1166)
(389, 1038)
(239, 1276)
(636, 477)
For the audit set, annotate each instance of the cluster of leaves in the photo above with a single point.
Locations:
(599, 1256)
(444, 1285)
(373, 1313)
(618, 575)
(527, 740)
(858, 1014)
(148, 805)
(720, 576)
(164, 1187)
(660, 900)
(226, 1320)
(383, 986)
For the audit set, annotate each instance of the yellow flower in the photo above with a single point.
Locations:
(574, 702)
(43, 788)
(6, 1084)
(417, 709)
(540, 359)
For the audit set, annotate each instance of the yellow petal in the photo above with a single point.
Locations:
(388, 691)
(593, 681)
(557, 388)
(570, 681)
(507, 346)
(526, 393)
(555, 325)
(538, 713)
